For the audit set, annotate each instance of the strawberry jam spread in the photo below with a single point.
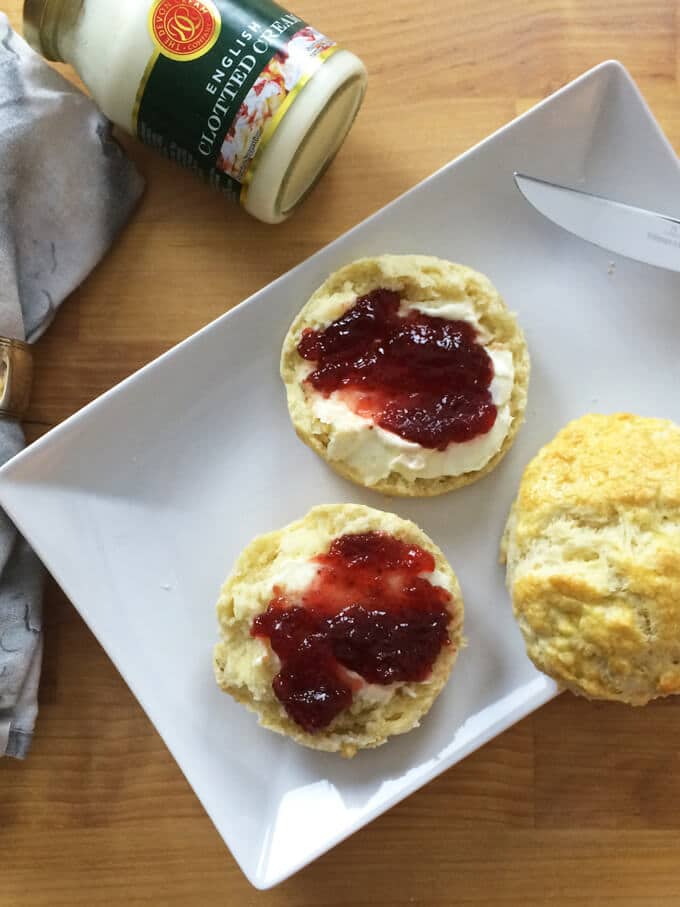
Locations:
(368, 611)
(423, 378)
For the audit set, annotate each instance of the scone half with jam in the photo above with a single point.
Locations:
(407, 374)
(339, 630)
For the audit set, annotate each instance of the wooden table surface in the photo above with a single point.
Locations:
(577, 805)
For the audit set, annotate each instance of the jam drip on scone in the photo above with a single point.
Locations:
(423, 378)
(368, 611)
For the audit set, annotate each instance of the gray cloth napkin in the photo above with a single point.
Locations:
(66, 189)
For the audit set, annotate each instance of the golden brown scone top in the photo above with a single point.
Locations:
(593, 555)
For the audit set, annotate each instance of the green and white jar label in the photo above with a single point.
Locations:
(221, 78)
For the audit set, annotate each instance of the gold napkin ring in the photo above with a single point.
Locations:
(16, 377)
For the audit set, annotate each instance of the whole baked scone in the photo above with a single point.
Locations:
(592, 548)
(341, 629)
(407, 374)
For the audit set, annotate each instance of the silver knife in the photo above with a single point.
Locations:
(636, 233)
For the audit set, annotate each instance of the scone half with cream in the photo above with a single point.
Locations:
(341, 629)
(592, 548)
(407, 374)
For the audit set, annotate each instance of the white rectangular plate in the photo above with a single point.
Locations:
(140, 503)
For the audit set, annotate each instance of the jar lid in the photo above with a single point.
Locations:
(43, 20)
(296, 155)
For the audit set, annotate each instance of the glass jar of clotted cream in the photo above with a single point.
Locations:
(240, 91)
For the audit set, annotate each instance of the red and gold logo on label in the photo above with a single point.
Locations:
(184, 29)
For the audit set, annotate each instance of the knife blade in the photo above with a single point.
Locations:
(636, 233)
